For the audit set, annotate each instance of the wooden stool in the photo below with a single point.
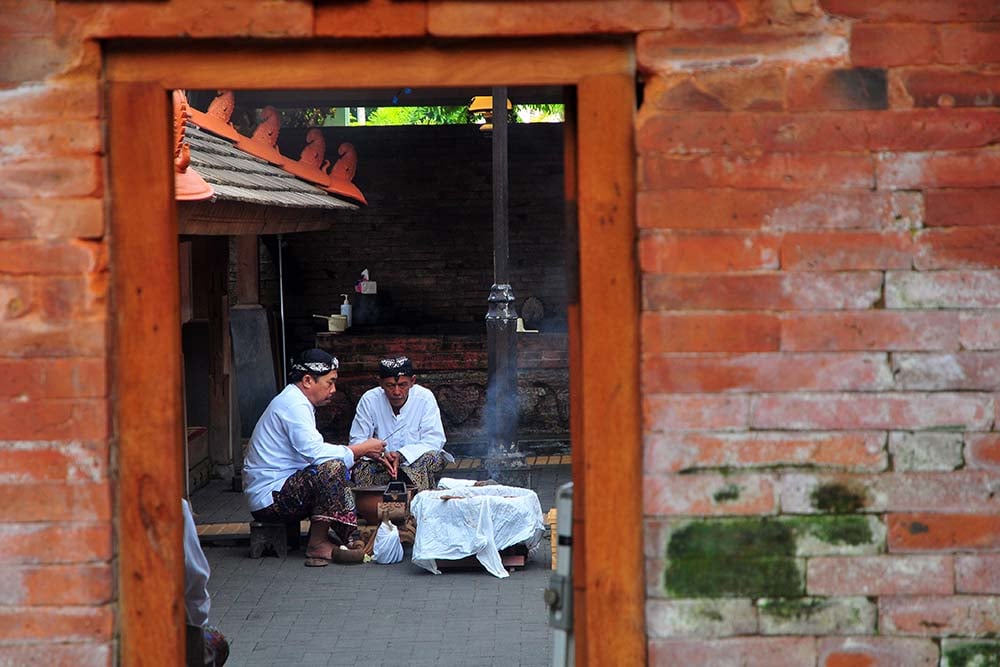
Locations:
(276, 538)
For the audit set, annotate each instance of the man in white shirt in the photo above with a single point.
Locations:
(290, 473)
(406, 416)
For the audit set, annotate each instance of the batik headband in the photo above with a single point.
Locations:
(315, 367)
(394, 367)
(318, 367)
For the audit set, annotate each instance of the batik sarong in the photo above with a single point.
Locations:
(216, 646)
(319, 492)
(422, 473)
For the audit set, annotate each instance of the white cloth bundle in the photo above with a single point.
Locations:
(478, 521)
(455, 483)
(388, 548)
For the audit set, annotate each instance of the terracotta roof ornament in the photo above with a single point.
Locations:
(263, 143)
(343, 173)
(238, 177)
(311, 166)
(188, 184)
(216, 119)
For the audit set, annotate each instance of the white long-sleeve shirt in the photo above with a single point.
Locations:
(418, 421)
(196, 572)
(284, 441)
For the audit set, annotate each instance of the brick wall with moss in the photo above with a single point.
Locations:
(820, 347)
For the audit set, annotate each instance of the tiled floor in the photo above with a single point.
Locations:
(276, 612)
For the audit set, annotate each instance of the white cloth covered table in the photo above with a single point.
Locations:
(484, 520)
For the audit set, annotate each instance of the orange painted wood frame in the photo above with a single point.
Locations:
(604, 340)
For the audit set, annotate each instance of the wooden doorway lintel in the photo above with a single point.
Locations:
(146, 342)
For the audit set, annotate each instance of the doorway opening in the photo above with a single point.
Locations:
(425, 238)
(602, 324)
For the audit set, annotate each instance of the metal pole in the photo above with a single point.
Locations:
(281, 309)
(501, 179)
(501, 318)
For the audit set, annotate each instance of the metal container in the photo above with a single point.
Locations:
(334, 323)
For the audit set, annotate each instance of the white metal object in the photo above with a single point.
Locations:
(334, 323)
(559, 594)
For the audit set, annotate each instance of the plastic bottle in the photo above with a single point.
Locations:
(345, 310)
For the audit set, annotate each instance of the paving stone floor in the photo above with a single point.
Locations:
(278, 612)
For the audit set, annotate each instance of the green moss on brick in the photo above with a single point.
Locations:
(979, 654)
(711, 614)
(732, 538)
(733, 557)
(733, 577)
(793, 607)
(851, 530)
(727, 493)
(837, 499)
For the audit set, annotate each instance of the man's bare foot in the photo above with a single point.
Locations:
(322, 550)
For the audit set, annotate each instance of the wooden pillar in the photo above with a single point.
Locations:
(609, 401)
(146, 376)
(247, 270)
(212, 253)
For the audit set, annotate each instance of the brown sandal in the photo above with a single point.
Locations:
(317, 561)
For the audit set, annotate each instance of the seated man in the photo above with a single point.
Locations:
(406, 416)
(289, 472)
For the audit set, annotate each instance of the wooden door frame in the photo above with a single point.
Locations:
(145, 359)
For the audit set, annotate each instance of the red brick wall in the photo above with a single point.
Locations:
(56, 550)
(818, 247)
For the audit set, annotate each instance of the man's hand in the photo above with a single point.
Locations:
(372, 447)
(391, 461)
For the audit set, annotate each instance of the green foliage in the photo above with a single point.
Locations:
(445, 115)
(245, 121)
(306, 117)
(418, 116)
(540, 113)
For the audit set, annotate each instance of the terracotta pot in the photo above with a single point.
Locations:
(366, 500)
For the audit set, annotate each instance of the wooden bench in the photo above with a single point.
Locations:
(276, 538)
